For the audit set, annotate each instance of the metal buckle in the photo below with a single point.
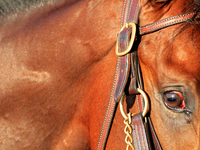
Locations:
(130, 44)
(146, 104)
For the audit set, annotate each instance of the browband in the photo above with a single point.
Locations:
(168, 22)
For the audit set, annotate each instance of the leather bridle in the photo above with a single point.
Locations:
(128, 74)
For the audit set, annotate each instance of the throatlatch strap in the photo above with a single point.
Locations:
(129, 14)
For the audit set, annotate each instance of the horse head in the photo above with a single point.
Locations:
(169, 61)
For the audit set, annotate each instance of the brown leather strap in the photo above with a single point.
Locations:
(133, 75)
(140, 136)
(168, 22)
(144, 136)
(130, 14)
(149, 131)
(156, 142)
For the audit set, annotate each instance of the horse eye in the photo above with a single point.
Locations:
(174, 100)
(157, 2)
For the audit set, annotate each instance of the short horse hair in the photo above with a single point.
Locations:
(8, 6)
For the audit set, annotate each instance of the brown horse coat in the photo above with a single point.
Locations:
(57, 69)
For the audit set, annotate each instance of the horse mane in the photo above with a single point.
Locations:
(8, 6)
(14, 6)
(193, 7)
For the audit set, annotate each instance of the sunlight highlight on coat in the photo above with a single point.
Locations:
(35, 75)
(182, 55)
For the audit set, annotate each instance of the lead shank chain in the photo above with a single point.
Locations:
(128, 132)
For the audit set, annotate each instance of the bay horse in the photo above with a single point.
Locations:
(58, 64)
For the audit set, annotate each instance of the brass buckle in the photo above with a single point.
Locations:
(130, 44)
(146, 104)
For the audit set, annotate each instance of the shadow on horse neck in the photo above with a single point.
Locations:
(58, 65)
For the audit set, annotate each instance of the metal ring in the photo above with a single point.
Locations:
(146, 102)
(130, 44)
(146, 106)
(121, 107)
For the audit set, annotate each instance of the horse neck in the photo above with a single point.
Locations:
(86, 28)
(69, 49)
(82, 33)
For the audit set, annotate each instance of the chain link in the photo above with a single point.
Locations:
(128, 132)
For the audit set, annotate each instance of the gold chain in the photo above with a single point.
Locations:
(127, 118)
(128, 132)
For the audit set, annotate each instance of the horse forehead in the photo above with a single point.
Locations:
(180, 57)
(183, 53)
